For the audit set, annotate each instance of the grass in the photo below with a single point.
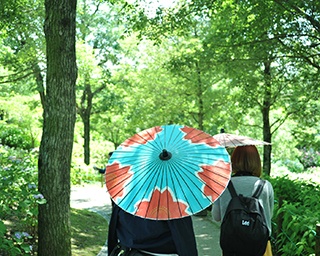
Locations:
(89, 232)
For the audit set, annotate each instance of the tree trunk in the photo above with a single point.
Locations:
(86, 123)
(200, 97)
(58, 129)
(40, 83)
(84, 110)
(266, 120)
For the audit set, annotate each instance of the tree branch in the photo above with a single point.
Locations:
(17, 76)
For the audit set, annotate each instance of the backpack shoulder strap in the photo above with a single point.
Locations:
(258, 191)
(232, 189)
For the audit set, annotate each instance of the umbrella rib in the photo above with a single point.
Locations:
(143, 138)
(120, 190)
(175, 192)
(187, 185)
(215, 181)
(141, 173)
(202, 181)
(175, 140)
(191, 163)
(157, 142)
(233, 140)
(201, 139)
(136, 177)
(157, 214)
(147, 145)
(208, 148)
(116, 177)
(153, 179)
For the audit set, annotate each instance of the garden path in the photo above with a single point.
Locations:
(95, 198)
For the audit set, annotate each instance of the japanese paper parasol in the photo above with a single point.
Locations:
(167, 172)
(229, 140)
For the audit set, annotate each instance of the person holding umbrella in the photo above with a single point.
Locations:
(157, 180)
(246, 168)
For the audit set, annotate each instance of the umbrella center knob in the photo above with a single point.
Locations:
(165, 155)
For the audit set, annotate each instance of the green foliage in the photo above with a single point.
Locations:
(296, 214)
(309, 157)
(80, 173)
(11, 11)
(294, 166)
(22, 45)
(84, 174)
(19, 199)
(15, 137)
(20, 126)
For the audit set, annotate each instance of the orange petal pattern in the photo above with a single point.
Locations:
(143, 137)
(162, 206)
(116, 188)
(197, 136)
(219, 178)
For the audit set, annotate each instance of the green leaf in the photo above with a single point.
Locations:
(3, 228)
(41, 201)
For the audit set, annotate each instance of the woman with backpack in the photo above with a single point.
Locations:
(237, 223)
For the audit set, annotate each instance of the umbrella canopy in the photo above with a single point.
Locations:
(167, 172)
(232, 140)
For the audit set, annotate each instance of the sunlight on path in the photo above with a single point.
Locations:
(95, 198)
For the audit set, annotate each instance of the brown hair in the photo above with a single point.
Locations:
(246, 159)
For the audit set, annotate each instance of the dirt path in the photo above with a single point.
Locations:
(95, 198)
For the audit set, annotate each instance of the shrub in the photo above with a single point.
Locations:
(81, 174)
(15, 137)
(294, 166)
(295, 217)
(309, 157)
(19, 199)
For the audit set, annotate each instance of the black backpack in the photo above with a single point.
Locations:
(243, 229)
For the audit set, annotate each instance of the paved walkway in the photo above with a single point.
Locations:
(95, 198)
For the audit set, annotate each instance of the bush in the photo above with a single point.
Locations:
(294, 166)
(295, 217)
(309, 157)
(14, 137)
(19, 199)
(83, 174)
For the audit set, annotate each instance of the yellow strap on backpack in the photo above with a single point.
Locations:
(268, 249)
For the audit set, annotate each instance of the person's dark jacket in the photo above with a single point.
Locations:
(157, 236)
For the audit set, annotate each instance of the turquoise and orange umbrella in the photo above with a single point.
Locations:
(167, 172)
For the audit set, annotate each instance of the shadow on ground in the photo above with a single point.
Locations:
(95, 198)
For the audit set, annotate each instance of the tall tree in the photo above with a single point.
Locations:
(168, 83)
(262, 54)
(271, 73)
(58, 128)
(22, 45)
(91, 82)
(192, 64)
(97, 28)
